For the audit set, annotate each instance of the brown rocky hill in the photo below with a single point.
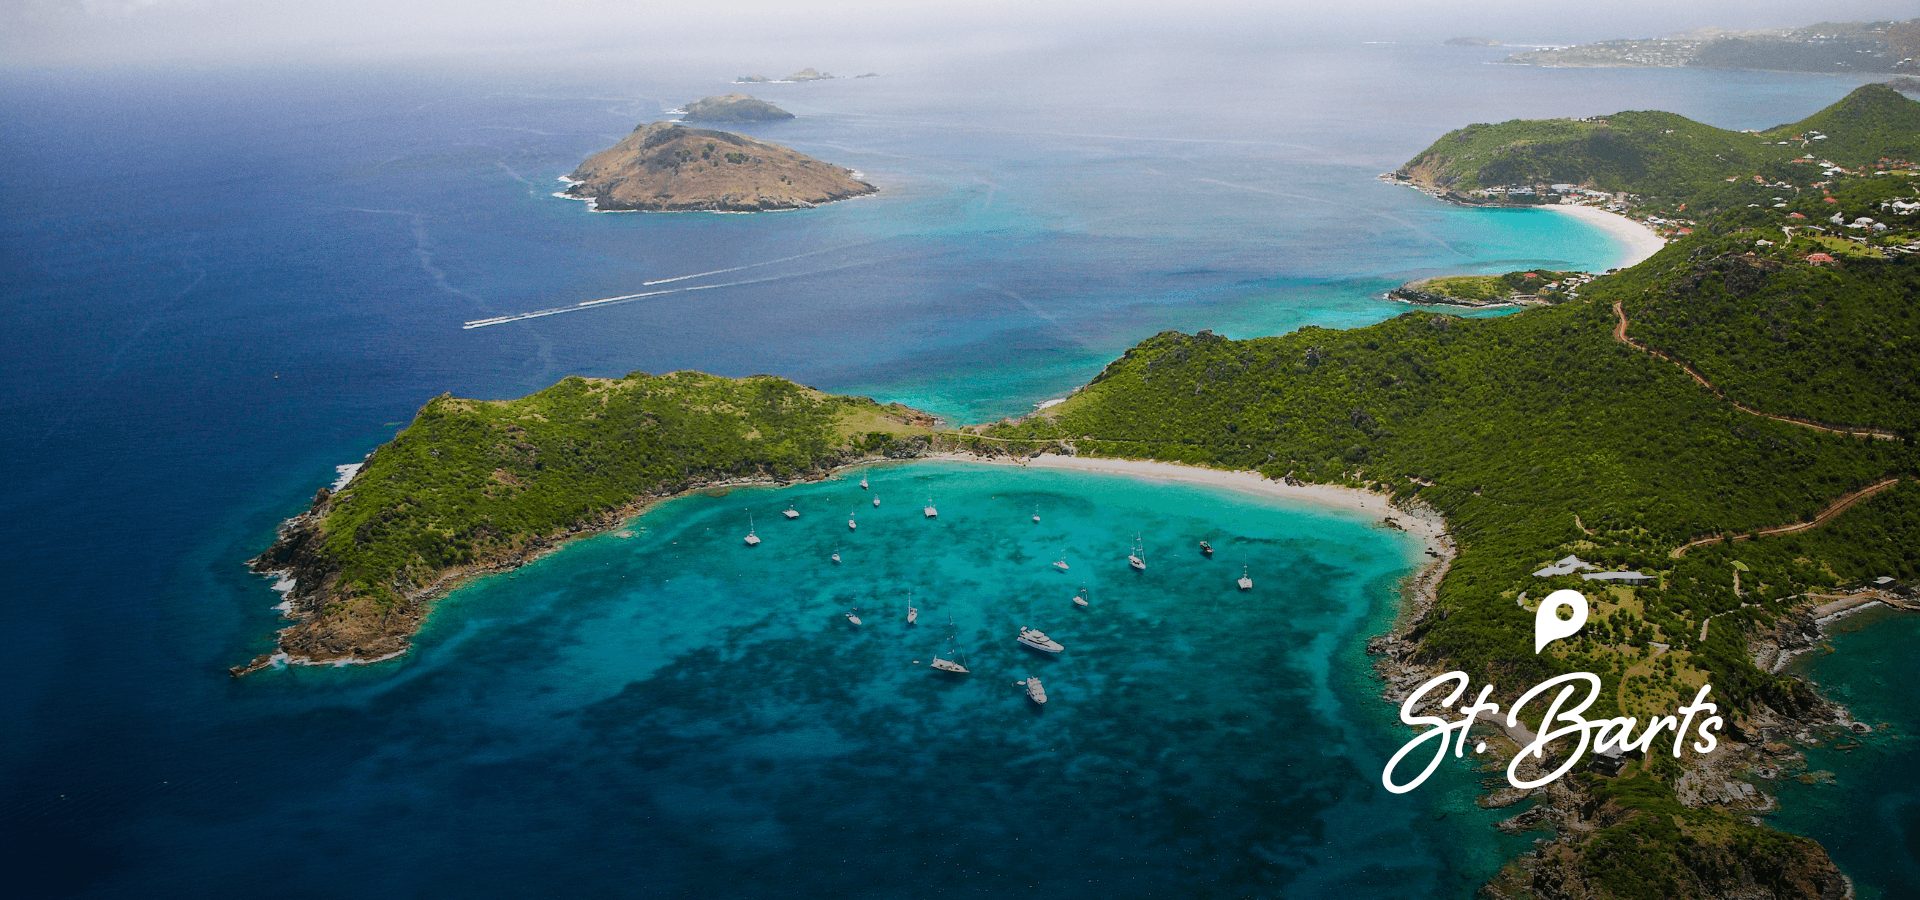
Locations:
(668, 167)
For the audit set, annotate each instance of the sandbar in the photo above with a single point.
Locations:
(1641, 241)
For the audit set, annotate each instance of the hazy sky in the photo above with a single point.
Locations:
(878, 33)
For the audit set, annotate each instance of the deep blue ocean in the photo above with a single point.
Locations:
(221, 283)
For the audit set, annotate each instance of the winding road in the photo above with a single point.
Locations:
(1620, 334)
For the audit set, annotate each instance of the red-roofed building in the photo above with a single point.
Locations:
(1819, 259)
(1832, 200)
(1795, 216)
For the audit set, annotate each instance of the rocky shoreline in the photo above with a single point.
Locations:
(318, 638)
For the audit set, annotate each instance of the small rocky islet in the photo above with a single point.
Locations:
(735, 107)
(669, 167)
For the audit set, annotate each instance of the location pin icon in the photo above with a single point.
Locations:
(1547, 624)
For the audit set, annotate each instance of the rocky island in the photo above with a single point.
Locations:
(668, 167)
(733, 108)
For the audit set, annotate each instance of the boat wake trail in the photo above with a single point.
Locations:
(629, 298)
(750, 265)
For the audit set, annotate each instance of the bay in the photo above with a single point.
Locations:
(222, 283)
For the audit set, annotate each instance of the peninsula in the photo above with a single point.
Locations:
(1667, 169)
(472, 487)
(733, 108)
(669, 167)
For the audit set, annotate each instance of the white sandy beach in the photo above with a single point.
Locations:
(1641, 240)
(1422, 523)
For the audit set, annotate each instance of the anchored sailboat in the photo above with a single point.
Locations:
(1246, 582)
(1137, 555)
(863, 482)
(957, 665)
(791, 513)
(1036, 512)
(753, 540)
(913, 614)
(853, 615)
(1061, 564)
(930, 511)
(876, 499)
(850, 525)
(1080, 599)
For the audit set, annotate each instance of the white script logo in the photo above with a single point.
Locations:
(1604, 735)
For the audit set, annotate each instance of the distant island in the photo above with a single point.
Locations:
(668, 167)
(807, 74)
(1472, 42)
(733, 108)
(1825, 47)
(1905, 85)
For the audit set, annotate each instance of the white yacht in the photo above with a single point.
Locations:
(1061, 564)
(876, 499)
(1038, 640)
(913, 613)
(1080, 599)
(836, 557)
(1036, 512)
(930, 511)
(850, 525)
(1035, 691)
(753, 540)
(1137, 556)
(956, 665)
(863, 482)
(853, 615)
(791, 513)
(1246, 583)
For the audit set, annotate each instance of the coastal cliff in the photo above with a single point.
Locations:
(472, 487)
(668, 167)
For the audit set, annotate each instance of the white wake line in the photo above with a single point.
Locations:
(750, 265)
(629, 298)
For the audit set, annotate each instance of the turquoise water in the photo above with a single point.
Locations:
(263, 272)
(1869, 815)
(667, 700)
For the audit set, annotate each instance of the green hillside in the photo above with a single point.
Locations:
(1874, 121)
(1668, 162)
(472, 483)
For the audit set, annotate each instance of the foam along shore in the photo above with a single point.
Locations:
(1423, 523)
(1641, 240)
